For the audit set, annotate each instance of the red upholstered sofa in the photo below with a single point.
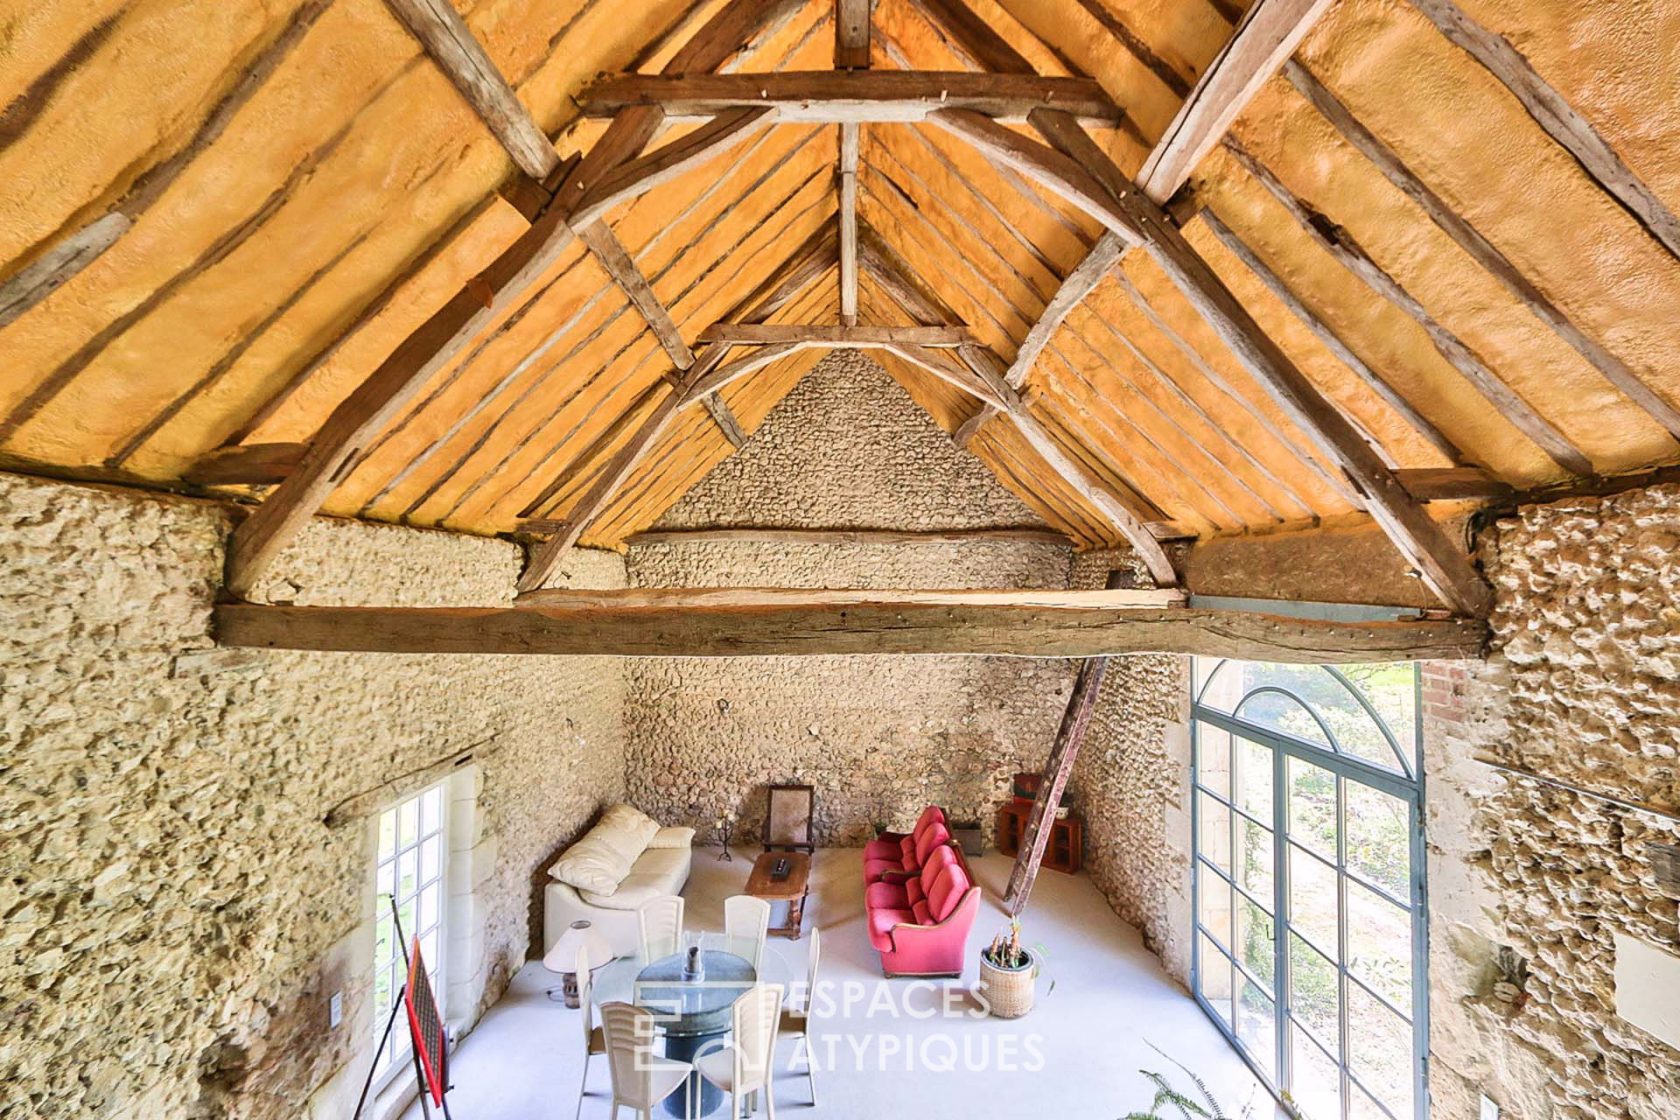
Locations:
(919, 916)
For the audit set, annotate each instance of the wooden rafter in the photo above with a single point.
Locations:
(849, 143)
(467, 65)
(637, 176)
(1266, 37)
(1339, 243)
(851, 34)
(1573, 132)
(887, 627)
(854, 96)
(258, 541)
(1480, 249)
(1067, 169)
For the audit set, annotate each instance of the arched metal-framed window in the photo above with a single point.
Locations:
(1310, 946)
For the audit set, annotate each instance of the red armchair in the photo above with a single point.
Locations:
(895, 856)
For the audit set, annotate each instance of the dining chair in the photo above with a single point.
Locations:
(594, 1037)
(640, 1078)
(746, 924)
(796, 1022)
(661, 922)
(747, 1065)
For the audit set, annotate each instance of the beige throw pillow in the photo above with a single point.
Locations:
(601, 860)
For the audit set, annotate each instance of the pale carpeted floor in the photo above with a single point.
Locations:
(890, 1051)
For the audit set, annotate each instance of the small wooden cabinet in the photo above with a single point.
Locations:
(1064, 852)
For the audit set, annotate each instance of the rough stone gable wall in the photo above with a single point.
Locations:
(175, 913)
(1583, 685)
(878, 736)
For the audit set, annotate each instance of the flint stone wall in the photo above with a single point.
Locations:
(176, 915)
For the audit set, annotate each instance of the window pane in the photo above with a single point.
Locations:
(1257, 1026)
(1213, 758)
(1215, 980)
(1380, 1051)
(1214, 895)
(429, 954)
(1313, 905)
(1312, 807)
(407, 880)
(1256, 854)
(1390, 688)
(384, 948)
(408, 822)
(1317, 1081)
(1284, 713)
(1380, 944)
(430, 898)
(1379, 838)
(431, 858)
(1313, 993)
(1213, 837)
(1257, 942)
(387, 832)
(1254, 780)
(1362, 1107)
(385, 881)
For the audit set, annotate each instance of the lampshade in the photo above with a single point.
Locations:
(563, 957)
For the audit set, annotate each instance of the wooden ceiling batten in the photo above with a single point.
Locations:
(622, 268)
(1496, 263)
(1573, 132)
(1339, 243)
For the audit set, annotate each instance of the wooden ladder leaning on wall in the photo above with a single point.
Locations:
(1063, 752)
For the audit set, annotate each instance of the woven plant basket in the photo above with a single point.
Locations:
(1009, 991)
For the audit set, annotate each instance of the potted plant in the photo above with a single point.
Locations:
(1008, 971)
(1183, 1105)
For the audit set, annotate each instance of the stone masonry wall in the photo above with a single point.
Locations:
(878, 736)
(175, 912)
(1583, 685)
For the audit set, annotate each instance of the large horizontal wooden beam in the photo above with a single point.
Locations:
(870, 628)
(833, 334)
(850, 96)
(842, 537)
(700, 598)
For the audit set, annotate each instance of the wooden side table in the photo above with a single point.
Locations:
(1064, 852)
(792, 890)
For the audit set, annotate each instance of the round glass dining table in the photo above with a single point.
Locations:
(694, 1015)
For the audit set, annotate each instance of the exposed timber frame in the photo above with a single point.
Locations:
(887, 627)
(258, 541)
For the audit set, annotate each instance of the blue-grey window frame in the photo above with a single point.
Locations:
(1407, 787)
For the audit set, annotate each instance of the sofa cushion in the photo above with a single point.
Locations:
(882, 848)
(656, 872)
(933, 814)
(938, 860)
(887, 896)
(674, 836)
(907, 849)
(947, 893)
(924, 916)
(935, 835)
(601, 860)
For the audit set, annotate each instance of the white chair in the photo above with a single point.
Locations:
(661, 922)
(747, 1065)
(640, 1078)
(746, 922)
(796, 1024)
(594, 1038)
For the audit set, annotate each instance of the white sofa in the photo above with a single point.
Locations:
(625, 860)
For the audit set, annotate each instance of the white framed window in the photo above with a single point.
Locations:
(411, 867)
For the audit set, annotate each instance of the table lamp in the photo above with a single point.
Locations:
(563, 958)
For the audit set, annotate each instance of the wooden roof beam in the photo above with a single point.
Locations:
(848, 219)
(827, 334)
(1132, 215)
(850, 96)
(464, 61)
(671, 627)
(851, 34)
(1262, 42)
(637, 176)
